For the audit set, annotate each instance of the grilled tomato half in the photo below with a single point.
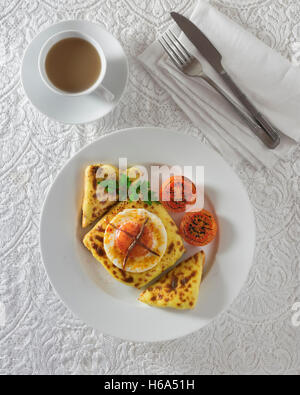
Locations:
(198, 228)
(177, 192)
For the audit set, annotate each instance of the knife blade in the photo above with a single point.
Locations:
(201, 42)
(214, 58)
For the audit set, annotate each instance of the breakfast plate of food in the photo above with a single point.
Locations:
(147, 242)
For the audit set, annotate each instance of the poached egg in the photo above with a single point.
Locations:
(121, 232)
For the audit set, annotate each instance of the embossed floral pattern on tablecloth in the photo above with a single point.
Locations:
(40, 335)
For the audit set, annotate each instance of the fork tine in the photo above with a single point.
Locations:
(178, 43)
(176, 48)
(172, 54)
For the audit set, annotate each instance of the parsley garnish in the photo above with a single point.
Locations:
(135, 191)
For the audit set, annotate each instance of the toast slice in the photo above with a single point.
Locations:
(95, 204)
(93, 241)
(92, 206)
(179, 288)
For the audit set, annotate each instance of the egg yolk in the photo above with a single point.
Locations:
(123, 240)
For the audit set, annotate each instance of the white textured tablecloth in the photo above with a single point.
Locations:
(40, 335)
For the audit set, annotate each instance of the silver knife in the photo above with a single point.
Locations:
(214, 58)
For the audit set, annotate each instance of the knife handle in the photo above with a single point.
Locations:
(273, 138)
(251, 122)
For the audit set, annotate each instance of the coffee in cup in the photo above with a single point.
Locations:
(73, 64)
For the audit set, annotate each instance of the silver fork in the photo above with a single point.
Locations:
(190, 66)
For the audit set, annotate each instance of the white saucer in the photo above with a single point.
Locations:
(81, 109)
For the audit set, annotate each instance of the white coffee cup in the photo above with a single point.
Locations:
(97, 87)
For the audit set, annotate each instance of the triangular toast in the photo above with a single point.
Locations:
(179, 288)
(92, 207)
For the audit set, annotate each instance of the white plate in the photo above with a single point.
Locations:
(110, 306)
(78, 109)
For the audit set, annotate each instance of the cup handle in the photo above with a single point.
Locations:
(105, 93)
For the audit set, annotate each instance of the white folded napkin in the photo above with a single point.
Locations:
(271, 82)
